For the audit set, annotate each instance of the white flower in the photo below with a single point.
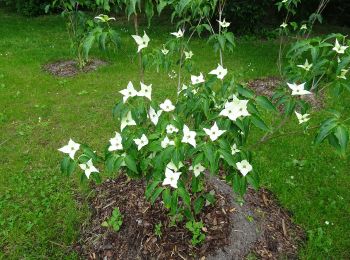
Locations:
(302, 118)
(104, 18)
(166, 142)
(189, 136)
(214, 132)
(127, 120)
(128, 92)
(343, 74)
(143, 141)
(165, 51)
(178, 34)
(326, 222)
(71, 148)
(146, 91)
(142, 42)
(298, 89)
(116, 143)
(303, 27)
(283, 25)
(184, 87)
(220, 72)
(171, 129)
(188, 55)
(153, 115)
(167, 106)
(88, 168)
(234, 149)
(194, 91)
(171, 178)
(224, 24)
(197, 169)
(244, 167)
(236, 108)
(173, 167)
(339, 48)
(197, 79)
(306, 66)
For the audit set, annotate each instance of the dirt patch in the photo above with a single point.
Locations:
(69, 68)
(260, 226)
(268, 86)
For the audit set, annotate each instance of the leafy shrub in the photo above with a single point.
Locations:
(27, 7)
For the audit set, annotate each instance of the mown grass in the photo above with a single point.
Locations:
(40, 215)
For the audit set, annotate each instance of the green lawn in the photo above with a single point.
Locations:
(40, 213)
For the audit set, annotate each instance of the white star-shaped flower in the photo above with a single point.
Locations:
(306, 66)
(235, 109)
(88, 168)
(283, 25)
(116, 143)
(142, 42)
(174, 167)
(146, 91)
(224, 24)
(244, 167)
(178, 34)
(188, 55)
(339, 48)
(302, 118)
(171, 178)
(303, 27)
(71, 148)
(153, 115)
(165, 51)
(234, 149)
(104, 18)
(214, 132)
(298, 89)
(171, 129)
(220, 72)
(127, 121)
(143, 141)
(128, 92)
(189, 136)
(343, 74)
(166, 142)
(167, 106)
(197, 79)
(197, 169)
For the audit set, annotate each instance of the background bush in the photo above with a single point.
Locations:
(26, 7)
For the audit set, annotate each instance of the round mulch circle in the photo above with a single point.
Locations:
(69, 68)
(259, 227)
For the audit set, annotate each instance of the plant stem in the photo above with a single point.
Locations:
(136, 26)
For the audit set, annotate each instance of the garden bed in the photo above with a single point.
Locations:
(259, 227)
(69, 68)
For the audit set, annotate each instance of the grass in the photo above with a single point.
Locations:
(40, 214)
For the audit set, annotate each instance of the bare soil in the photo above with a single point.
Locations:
(69, 68)
(260, 227)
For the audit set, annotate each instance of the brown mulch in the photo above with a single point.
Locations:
(280, 237)
(267, 87)
(69, 68)
(273, 235)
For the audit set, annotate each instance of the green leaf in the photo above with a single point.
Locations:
(325, 129)
(156, 194)
(265, 103)
(198, 205)
(342, 134)
(245, 92)
(130, 163)
(150, 188)
(185, 196)
(166, 198)
(258, 122)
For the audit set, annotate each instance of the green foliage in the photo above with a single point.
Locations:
(27, 7)
(198, 237)
(115, 221)
(158, 229)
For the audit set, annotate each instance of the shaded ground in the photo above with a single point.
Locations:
(260, 227)
(68, 68)
(267, 87)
